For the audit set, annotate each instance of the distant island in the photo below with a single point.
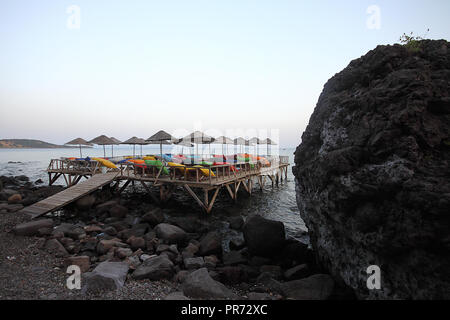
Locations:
(29, 143)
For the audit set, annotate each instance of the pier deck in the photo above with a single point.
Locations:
(191, 178)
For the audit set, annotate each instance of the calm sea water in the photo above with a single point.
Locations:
(276, 203)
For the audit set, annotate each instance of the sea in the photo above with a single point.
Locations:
(276, 203)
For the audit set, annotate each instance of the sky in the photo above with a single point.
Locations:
(82, 68)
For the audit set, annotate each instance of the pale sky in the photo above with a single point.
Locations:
(135, 67)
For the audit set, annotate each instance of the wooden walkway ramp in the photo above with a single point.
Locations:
(69, 195)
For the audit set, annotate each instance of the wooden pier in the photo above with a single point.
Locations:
(69, 195)
(194, 179)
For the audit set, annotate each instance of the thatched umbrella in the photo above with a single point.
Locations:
(134, 141)
(256, 141)
(199, 137)
(102, 141)
(116, 141)
(223, 141)
(80, 142)
(161, 137)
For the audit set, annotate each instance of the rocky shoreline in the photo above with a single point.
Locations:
(128, 248)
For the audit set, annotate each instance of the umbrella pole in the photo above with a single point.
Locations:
(81, 156)
(134, 146)
(112, 151)
(104, 152)
(160, 149)
(141, 151)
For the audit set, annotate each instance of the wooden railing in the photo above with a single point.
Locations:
(74, 166)
(209, 174)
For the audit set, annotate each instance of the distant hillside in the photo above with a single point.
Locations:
(27, 143)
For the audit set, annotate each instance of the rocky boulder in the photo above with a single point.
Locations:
(31, 228)
(211, 243)
(200, 285)
(154, 217)
(106, 276)
(264, 237)
(316, 287)
(373, 174)
(85, 203)
(155, 268)
(14, 199)
(171, 233)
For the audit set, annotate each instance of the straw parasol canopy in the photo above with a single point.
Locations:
(198, 137)
(79, 142)
(223, 141)
(161, 137)
(134, 141)
(102, 141)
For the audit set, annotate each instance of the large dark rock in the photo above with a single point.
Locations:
(86, 202)
(316, 287)
(211, 243)
(155, 268)
(106, 276)
(373, 175)
(171, 233)
(200, 285)
(31, 228)
(264, 237)
(154, 217)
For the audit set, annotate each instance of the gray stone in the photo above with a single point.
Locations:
(176, 296)
(233, 258)
(31, 228)
(170, 233)
(236, 222)
(297, 272)
(14, 199)
(155, 268)
(274, 271)
(194, 263)
(237, 243)
(211, 243)
(200, 285)
(122, 253)
(86, 202)
(118, 211)
(315, 287)
(106, 276)
(54, 246)
(154, 217)
(264, 237)
(82, 261)
(105, 206)
(260, 296)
